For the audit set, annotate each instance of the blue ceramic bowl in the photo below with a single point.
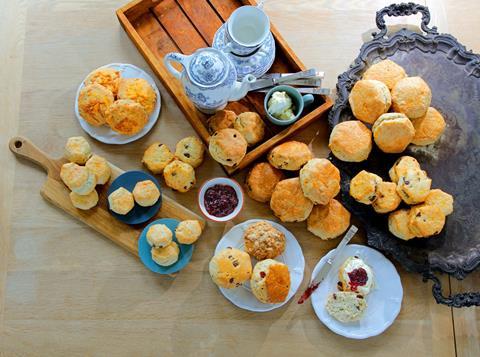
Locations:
(186, 250)
(138, 214)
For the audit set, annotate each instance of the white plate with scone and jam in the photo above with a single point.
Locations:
(289, 264)
(374, 303)
(140, 100)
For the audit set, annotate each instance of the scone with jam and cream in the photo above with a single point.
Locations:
(354, 275)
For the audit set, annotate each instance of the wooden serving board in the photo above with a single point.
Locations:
(158, 27)
(99, 217)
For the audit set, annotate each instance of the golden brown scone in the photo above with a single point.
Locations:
(411, 96)
(126, 117)
(230, 268)
(138, 90)
(159, 236)
(107, 77)
(351, 141)
(263, 241)
(121, 201)
(320, 181)
(77, 150)
(156, 157)
(388, 199)
(84, 202)
(270, 282)
(251, 126)
(190, 150)
(428, 128)
(401, 166)
(441, 199)
(261, 181)
(425, 221)
(94, 101)
(414, 186)
(288, 202)
(78, 179)
(291, 155)
(188, 231)
(179, 176)
(363, 187)
(369, 99)
(393, 132)
(100, 167)
(228, 147)
(385, 71)
(398, 224)
(166, 256)
(223, 119)
(146, 193)
(329, 221)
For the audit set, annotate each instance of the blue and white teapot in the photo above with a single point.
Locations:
(209, 78)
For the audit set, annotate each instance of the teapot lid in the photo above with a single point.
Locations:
(208, 67)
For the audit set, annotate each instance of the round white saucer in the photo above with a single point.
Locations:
(292, 256)
(384, 301)
(104, 133)
(256, 64)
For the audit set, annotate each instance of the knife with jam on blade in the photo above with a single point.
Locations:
(322, 274)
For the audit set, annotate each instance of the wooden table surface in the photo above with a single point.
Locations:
(65, 290)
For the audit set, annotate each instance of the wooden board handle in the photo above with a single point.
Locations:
(23, 147)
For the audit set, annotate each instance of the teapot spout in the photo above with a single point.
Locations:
(241, 89)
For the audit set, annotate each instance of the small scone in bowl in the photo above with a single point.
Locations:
(138, 214)
(220, 199)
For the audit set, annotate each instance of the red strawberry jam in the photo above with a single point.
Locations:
(358, 277)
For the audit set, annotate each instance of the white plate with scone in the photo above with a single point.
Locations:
(103, 132)
(383, 300)
(292, 256)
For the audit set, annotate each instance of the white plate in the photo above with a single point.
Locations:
(292, 256)
(104, 133)
(384, 301)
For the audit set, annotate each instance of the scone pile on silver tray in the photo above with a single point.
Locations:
(145, 193)
(308, 197)
(269, 279)
(232, 134)
(165, 251)
(385, 87)
(124, 104)
(83, 172)
(356, 280)
(178, 168)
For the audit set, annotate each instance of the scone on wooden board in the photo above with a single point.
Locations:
(77, 150)
(230, 268)
(290, 155)
(369, 99)
(261, 181)
(288, 202)
(223, 119)
(270, 281)
(227, 146)
(351, 141)
(100, 167)
(78, 179)
(263, 241)
(84, 202)
(251, 126)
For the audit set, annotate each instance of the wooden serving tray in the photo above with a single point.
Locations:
(158, 27)
(99, 218)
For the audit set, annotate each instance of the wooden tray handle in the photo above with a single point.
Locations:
(23, 147)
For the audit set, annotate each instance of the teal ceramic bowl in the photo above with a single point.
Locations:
(186, 250)
(299, 102)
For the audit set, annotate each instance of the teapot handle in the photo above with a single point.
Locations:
(175, 57)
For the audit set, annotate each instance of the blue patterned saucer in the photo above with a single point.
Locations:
(257, 64)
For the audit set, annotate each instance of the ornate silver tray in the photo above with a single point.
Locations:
(453, 163)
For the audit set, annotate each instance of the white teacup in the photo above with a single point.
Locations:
(246, 30)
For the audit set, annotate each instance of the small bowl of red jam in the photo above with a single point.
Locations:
(220, 199)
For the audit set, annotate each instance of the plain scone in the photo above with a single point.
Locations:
(288, 202)
(369, 99)
(77, 150)
(261, 181)
(228, 147)
(320, 181)
(351, 141)
(385, 71)
(291, 155)
(411, 96)
(329, 221)
(393, 132)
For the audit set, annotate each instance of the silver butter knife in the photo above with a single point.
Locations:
(318, 74)
(270, 82)
(316, 91)
(322, 274)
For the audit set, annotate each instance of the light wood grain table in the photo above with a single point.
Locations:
(64, 290)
